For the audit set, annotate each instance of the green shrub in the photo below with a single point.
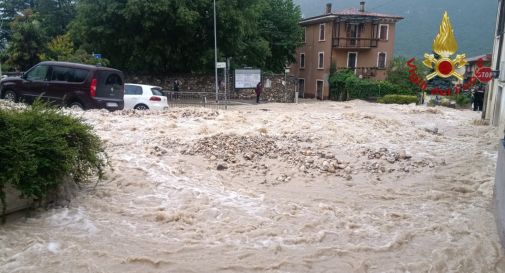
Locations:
(344, 85)
(462, 99)
(41, 145)
(398, 99)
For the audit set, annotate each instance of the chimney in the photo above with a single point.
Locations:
(328, 8)
(362, 6)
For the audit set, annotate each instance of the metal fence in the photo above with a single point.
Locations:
(198, 99)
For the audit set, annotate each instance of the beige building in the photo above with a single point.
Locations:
(495, 103)
(351, 38)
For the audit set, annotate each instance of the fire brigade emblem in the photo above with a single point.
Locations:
(445, 45)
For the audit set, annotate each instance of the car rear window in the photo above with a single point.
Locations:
(113, 79)
(67, 74)
(132, 90)
(157, 91)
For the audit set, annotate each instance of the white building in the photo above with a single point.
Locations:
(495, 104)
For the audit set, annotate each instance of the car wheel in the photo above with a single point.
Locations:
(141, 107)
(76, 106)
(10, 96)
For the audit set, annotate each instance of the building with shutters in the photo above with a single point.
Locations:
(495, 102)
(348, 39)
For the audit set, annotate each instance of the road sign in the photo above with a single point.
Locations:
(97, 55)
(484, 74)
(221, 65)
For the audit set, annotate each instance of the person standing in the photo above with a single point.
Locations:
(259, 90)
(177, 85)
(478, 103)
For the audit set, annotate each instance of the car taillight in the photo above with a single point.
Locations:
(154, 98)
(92, 88)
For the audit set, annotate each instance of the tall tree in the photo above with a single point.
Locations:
(55, 15)
(279, 27)
(27, 42)
(9, 10)
(177, 36)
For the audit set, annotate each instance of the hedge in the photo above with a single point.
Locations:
(398, 99)
(346, 86)
(40, 146)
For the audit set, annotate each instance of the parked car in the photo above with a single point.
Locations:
(68, 84)
(144, 97)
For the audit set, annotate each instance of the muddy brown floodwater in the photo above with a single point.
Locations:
(316, 187)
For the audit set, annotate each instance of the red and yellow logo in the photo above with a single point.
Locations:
(444, 66)
(445, 45)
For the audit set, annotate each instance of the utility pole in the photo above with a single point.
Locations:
(215, 53)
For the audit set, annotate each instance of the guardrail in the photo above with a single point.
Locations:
(197, 99)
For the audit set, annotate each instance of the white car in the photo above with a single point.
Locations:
(144, 97)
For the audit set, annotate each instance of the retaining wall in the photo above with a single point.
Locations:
(277, 92)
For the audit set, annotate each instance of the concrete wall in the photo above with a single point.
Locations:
(14, 202)
(499, 193)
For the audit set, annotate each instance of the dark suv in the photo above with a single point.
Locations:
(68, 84)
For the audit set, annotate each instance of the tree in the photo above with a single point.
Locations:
(28, 40)
(279, 27)
(61, 48)
(177, 36)
(398, 73)
(55, 15)
(9, 10)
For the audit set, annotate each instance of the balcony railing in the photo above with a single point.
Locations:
(355, 42)
(362, 72)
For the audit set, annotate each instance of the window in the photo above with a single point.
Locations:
(80, 75)
(320, 63)
(304, 34)
(384, 32)
(66, 74)
(132, 90)
(157, 91)
(352, 59)
(60, 74)
(114, 79)
(39, 73)
(302, 60)
(321, 32)
(381, 60)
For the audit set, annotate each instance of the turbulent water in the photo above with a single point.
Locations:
(166, 208)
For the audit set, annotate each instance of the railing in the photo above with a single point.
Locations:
(362, 72)
(355, 42)
(197, 99)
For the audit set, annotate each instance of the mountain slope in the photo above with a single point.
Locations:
(473, 21)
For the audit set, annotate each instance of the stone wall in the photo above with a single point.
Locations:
(277, 92)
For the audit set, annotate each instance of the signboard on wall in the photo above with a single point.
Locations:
(247, 78)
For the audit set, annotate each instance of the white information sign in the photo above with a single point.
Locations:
(221, 65)
(247, 78)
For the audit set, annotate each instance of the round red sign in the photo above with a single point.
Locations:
(484, 74)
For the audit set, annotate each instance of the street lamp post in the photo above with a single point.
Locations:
(215, 53)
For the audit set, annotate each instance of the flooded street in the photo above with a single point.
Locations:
(315, 187)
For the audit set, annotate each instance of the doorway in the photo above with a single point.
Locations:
(301, 88)
(319, 89)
